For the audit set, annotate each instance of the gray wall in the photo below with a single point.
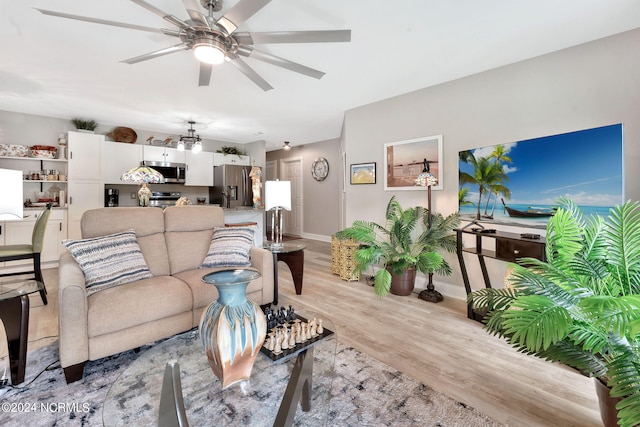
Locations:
(587, 86)
(322, 199)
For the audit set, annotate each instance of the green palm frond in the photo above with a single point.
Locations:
(571, 355)
(622, 234)
(582, 306)
(405, 241)
(535, 322)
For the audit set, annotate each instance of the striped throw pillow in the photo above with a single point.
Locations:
(109, 261)
(230, 247)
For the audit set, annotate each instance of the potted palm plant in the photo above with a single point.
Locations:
(404, 244)
(582, 306)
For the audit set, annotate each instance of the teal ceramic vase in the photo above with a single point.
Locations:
(233, 328)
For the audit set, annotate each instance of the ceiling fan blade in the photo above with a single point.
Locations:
(250, 73)
(280, 62)
(100, 21)
(239, 13)
(156, 54)
(205, 74)
(193, 9)
(329, 36)
(164, 15)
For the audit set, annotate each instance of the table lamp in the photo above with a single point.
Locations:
(11, 202)
(277, 196)
(143, 175)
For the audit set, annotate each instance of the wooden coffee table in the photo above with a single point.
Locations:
(14, 313)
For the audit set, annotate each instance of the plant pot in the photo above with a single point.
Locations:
(403, 284)
(608, 411)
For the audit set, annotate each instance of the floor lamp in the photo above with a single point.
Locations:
(426, 179)
(143, 175)
(277, 197)
(11, 202)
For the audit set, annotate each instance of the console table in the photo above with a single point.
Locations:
(509, 247)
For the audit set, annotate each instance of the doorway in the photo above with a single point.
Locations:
(291, 170)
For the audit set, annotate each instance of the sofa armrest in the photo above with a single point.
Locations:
(72, 312)
(262, 259)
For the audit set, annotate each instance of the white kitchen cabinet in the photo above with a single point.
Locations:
(83, 196)
(199, 168)
(118, 157)
(163, 154)
(85, 186)
(231, 159)
(20, 232)
(84, 156)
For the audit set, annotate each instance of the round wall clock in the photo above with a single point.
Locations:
(320, 169)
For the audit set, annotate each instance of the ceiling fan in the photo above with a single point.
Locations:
(215, 40)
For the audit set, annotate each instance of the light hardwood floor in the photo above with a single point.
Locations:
(433, 343)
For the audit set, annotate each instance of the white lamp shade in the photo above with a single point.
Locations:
(277, 194)
(11, 202)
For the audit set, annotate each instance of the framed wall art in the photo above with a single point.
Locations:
(363, 173)
(523, 180)
(405, 160)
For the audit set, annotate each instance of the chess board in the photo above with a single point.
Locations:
(286, 353)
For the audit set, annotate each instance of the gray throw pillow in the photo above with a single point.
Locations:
(230, 247)
(109, 261)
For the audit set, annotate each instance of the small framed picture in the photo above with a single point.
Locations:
(363, 173)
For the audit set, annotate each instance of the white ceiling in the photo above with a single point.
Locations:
(63, 68)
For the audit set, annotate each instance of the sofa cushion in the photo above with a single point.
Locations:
(137, 303)
(109, 261)
(148, 224)
(204, 293)
(230, 247)
(190, 227)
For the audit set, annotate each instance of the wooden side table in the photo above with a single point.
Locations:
(14, 313)
(291, 254)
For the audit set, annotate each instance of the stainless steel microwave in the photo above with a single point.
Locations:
(172, 172)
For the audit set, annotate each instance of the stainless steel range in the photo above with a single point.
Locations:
(163, 199)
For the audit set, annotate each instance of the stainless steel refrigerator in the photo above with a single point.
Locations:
(231, 186)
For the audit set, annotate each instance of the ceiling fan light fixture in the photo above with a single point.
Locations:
(209, 50)
(286, 146)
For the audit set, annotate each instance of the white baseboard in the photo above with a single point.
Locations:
(319, 237)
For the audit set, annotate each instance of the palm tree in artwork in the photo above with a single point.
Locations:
(498, 190)
(499, 154)
(463, 193)
(486, 173)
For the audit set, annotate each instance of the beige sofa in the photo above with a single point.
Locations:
(174, 243)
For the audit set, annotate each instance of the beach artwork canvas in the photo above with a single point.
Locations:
(519, 183)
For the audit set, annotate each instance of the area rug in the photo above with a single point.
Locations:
(364, 392)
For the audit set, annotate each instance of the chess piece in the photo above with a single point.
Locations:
(277, 348)
(292, 338)
(298, 332)
(308, 335)
(320, 329)
(285, 339)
